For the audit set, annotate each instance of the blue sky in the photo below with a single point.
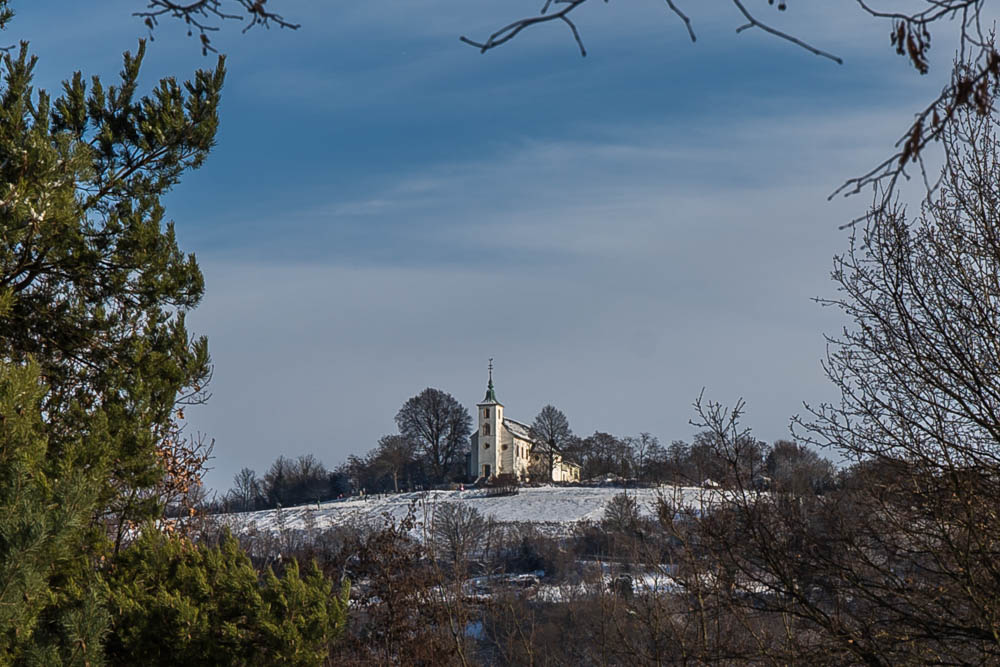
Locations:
(386, 209)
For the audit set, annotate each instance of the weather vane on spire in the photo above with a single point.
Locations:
(491, 370)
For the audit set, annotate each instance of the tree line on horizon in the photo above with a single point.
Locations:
(404, 461)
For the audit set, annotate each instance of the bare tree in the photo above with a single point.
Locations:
(919, 370)
(898, 565)
(919, 376)
(601, 454)
(641, 448)
(407, 611)
(732, 459)
(246, 492)
(393, 454)
(457, 531)
(294, 481)
(679, 459)
(551, 428)
(793, 466)
(439, 425)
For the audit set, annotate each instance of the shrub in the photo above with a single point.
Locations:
(502, 485)
(528, 550)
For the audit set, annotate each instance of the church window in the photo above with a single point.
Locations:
(486, 429)
(486, 413)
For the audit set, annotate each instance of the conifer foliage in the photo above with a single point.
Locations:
(43, 518)
(95, 366)
(95, 284)
(92, 293)
(178, 602)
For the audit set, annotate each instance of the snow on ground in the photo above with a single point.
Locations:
(646, 583)
(545, 506)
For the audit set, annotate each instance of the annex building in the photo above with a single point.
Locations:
(504, 446)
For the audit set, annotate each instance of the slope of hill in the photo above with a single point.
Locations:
(552, 506)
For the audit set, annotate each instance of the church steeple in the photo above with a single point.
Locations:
(491, 396)
(489, 457)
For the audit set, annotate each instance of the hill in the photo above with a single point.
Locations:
(553, 507)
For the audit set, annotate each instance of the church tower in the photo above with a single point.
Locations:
(490, 424)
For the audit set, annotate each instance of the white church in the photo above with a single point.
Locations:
(504, 446)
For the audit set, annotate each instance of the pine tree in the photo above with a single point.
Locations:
(95, 364)
(49, 598)
(93, 290)
(95, 285)
(177, 602)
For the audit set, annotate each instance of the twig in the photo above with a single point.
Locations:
(752, 22)
(684, 18)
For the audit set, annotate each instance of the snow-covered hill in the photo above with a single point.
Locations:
(548, 506)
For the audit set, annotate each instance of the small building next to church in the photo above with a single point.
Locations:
(504, 446)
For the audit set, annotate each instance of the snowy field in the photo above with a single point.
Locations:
(549, 507)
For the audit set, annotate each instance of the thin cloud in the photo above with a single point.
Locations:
(647, 289)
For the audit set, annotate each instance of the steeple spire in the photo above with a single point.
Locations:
(491, 396)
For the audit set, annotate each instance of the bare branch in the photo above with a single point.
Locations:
(753, 22)
(205, 15)
(511, 30)
(975, 78)
(576, 36)
(683, 17)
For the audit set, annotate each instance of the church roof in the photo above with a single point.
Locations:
(524, 432)
(519, 430)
